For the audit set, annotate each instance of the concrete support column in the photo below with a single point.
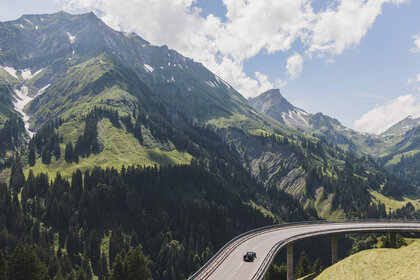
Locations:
(290, 262)
(334, 249)
(393, 240)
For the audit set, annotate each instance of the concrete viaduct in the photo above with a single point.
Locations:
(228, 264)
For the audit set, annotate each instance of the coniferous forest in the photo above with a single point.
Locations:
(166, 221)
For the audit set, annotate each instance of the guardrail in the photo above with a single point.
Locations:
(262, 270)
(222, 254)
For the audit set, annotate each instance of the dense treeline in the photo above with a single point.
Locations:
(11, 135)
(409, 169)
(180, 215)
(349, 181)
(45, 143)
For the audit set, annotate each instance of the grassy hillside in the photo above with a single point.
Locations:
(6, 85)
(395, 264)
(394, 203)
(120, 148)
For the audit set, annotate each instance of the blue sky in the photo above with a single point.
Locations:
(361, 72)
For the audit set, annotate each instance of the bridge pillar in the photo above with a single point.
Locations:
(290, 262)
(334, 249)
(393, 240)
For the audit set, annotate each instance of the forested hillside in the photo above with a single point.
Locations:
(121, 158)
(179, 215)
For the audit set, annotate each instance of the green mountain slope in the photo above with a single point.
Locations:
(79, 65)
(388, 148)
(7, 82)
(402, 126)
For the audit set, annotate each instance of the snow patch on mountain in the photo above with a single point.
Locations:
(300, 113)
(26, 73)
(10, 70)
(21, 100)
(149, 68)
(221, 81)
(41, 91)
(72, 38)
(213, 85)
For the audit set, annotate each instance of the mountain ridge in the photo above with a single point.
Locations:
(93, 66)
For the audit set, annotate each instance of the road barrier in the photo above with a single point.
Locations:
(210, 266)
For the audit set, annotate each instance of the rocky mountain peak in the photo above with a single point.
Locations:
(403, 126)
(276, 106)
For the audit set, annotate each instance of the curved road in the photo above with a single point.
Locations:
(227, 264)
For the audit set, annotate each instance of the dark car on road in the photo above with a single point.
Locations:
(250, 256)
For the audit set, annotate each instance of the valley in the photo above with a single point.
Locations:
(113, 148)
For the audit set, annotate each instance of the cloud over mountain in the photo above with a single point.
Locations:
(382, 117)
(250, 27)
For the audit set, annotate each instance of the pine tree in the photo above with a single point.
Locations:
(69, 153)
(46, 156)
(32, 155)
(3, 267)
(57, 150)
(276, 272)
(116, 244)
(81, 275)
(24, 264)
(73, 243)
(118, 272)
(136, 265)
(103, 267)
(94, 250)
(303, 266)
(137, 132)
(17, 178)
(317, 266)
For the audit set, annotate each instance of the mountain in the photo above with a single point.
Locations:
(126, 132)
(276, 106)
(109, 142)
(395, 140)
(395, 150)
(402, 126)
(60, 65)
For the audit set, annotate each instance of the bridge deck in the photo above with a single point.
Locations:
(229, 264)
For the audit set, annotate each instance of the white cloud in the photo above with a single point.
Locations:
(414, 81)
(294, 65)
(263, 81)
(340, 27)
(383, 117)
(280, 83)
(251, 27)
(416, 49)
